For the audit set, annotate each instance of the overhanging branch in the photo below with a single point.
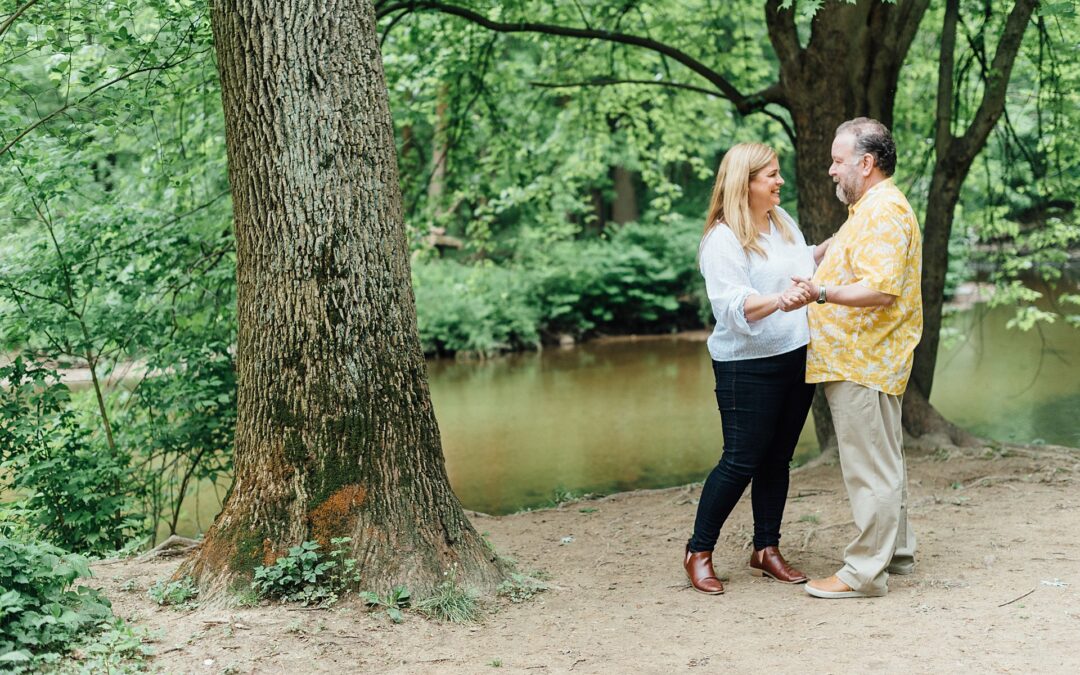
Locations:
(745, 104)
(993, 100)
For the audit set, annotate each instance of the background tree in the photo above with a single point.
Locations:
(840, 60)
(336, 435)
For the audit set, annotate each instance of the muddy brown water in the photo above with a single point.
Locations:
(612, 415)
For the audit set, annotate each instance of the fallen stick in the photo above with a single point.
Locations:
(1018, 598)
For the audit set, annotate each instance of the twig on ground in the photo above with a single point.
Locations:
(810, 533)
(1017, 598)
(813, 492)
(989, 480)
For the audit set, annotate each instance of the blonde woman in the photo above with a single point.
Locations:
(749, 252)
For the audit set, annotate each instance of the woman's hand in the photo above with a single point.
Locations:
(794, 298)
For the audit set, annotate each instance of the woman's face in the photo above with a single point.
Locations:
(765, 188)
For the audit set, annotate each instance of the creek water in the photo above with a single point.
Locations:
(617, 415)
(620, 414)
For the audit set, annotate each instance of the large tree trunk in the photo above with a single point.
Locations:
(335, 435)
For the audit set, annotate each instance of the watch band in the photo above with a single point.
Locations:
(822, 298)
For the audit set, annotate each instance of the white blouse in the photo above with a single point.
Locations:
(731, 276)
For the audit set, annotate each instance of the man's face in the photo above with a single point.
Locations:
(847, 169)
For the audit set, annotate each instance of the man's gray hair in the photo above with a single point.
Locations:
(874, 138)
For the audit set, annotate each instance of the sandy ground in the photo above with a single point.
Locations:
(997, 589)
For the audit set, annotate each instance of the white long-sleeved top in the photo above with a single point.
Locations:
(731, 276)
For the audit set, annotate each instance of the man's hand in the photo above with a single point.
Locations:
(849, 295)
(807, 285)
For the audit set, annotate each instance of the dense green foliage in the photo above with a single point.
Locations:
(636, 277)
(42, 612)
(76, 493)
(115, 256)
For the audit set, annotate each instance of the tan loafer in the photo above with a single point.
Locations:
(833, 589)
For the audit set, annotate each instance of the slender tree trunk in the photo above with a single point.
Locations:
(954, 156)
(335, 435)
(439, 154)
(624, 208)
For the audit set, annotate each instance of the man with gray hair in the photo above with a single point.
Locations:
(863, 332)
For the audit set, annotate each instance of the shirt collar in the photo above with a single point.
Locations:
(885, 184)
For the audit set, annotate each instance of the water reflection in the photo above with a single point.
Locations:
(603, 417)
(618, 415)
(624, 414)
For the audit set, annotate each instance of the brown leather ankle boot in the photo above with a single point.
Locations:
(769, 563)
(699, 569)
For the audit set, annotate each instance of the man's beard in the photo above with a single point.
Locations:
(849, 190)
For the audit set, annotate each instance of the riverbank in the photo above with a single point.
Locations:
(997, 589)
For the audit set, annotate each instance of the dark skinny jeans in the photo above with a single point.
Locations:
(763, 405)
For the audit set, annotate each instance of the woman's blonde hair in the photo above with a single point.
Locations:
(730, 203)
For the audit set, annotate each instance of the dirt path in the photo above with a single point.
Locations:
(991, 529)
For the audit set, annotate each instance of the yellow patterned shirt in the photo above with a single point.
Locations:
(880, 247)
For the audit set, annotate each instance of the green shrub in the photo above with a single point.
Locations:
(306, 577)
(480, 309)
(179, 593)
(75, 491)
(393, 603)
(42, 615)
(180, 424)
(640, 277)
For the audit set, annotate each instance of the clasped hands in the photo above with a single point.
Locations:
(801, 293)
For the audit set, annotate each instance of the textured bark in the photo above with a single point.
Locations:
(335, 434)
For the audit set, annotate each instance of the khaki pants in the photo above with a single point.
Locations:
(872, 460)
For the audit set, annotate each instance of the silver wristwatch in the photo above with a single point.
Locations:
(821, 297)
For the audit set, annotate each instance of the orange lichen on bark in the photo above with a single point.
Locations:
(335, 516)
(270, 555)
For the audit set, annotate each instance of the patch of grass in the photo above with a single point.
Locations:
(520, 588)
(450, 602)
(247, 597)
(809, 518)
(561, 495)
(296, 626)
(495, 663)
(588, 509)
(179, 594)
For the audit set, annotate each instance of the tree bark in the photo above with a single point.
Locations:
(335, 434)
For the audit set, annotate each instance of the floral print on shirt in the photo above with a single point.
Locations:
(879, 246)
